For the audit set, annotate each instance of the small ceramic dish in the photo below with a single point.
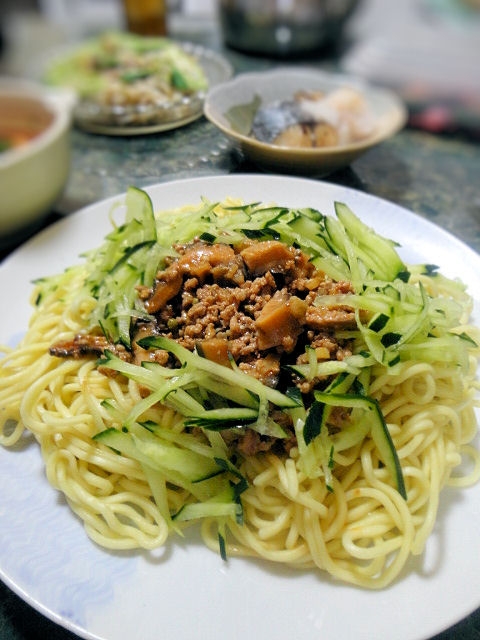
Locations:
(35, 160)
(234, 105)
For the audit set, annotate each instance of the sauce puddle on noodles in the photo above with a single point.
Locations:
(278, 376)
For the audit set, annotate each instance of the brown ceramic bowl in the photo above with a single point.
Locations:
(232, 106)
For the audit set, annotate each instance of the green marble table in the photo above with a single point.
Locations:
(437, 177)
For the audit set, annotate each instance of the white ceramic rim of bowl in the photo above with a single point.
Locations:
(259, 77)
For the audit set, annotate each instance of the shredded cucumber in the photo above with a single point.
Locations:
(120, 264)
(397, 319)
(379, 429)
(174, 388)
(221, 505)
(205, 476)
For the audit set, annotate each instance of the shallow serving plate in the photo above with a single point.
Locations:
(232, 105)
(140, 118)
(184, 590)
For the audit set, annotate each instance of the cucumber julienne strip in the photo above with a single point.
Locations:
(171, 386)
(206, 477)
(218, 419)
(119, 264)
(378, 253)
(379, 430)
(232, 376)
(211, 383)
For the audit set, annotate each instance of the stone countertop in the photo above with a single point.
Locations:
(436, 177)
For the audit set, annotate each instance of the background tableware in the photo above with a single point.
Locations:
(32, 175)
(232, 105)
(142, 117)
(146, 17)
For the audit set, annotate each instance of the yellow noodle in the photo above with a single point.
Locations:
(362, 531)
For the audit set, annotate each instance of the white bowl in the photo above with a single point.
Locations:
(232, 105)
(32, 175)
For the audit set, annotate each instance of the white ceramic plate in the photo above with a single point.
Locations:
(231, 107)
(185, 591)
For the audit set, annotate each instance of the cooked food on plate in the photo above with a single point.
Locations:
(123, 69)
(276, 375)
(315, 119)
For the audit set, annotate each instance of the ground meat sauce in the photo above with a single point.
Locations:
(253, 302)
